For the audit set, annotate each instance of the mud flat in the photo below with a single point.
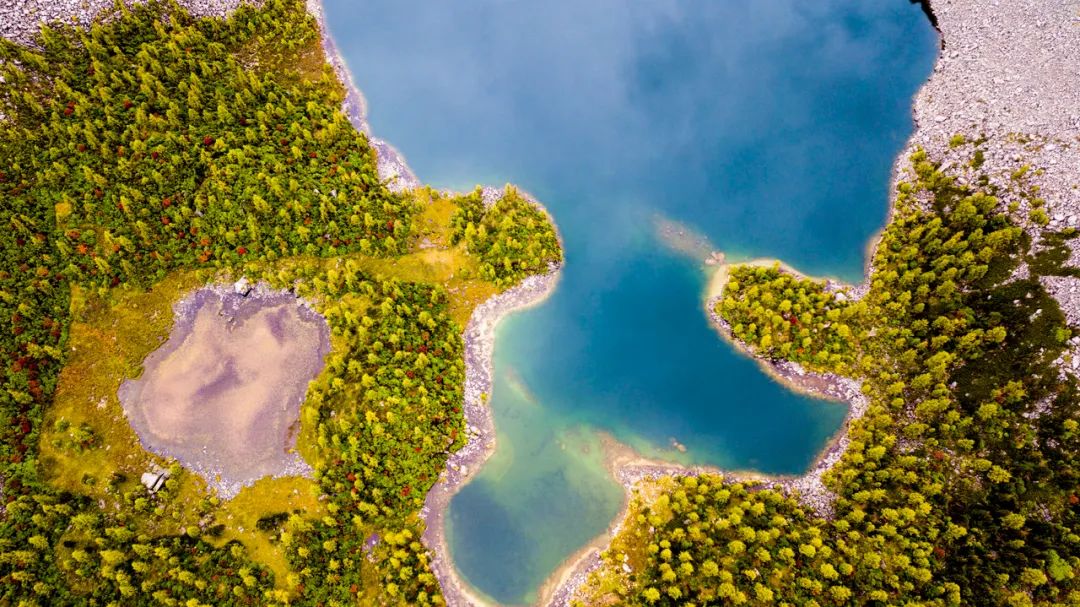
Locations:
(222, 395)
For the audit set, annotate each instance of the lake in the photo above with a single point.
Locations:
(770, 127)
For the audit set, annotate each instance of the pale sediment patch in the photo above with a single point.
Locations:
(635, 471)
(222, 395)
(630, 469)
(683, 239)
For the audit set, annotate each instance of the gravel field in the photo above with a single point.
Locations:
(1009, 74)
(21, 19)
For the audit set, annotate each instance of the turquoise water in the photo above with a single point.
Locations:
(769, 126)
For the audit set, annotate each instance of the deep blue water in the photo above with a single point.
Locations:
(769, 126)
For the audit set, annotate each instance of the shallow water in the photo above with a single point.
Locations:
(771, 127)
(222, 395)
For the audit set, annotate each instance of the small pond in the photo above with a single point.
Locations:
(222, 395)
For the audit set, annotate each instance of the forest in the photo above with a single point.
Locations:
(155, 152)
(960, 484)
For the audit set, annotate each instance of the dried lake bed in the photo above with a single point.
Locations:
(222, 395)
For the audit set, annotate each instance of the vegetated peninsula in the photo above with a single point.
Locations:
(958, 484)
(212, 174)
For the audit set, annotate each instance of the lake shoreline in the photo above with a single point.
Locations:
(991, 80)
(391, 164)
(828, 386)
(927, 132)
(466, 462)
(559, 588)
(479, 338)
(631, 469)
(22, 24)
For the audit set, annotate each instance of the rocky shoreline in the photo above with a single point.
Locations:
(392, 167)
(463, 464)
(479, 338)
(20, 20)
(808, 487)
(1008, 83)
(632, 470)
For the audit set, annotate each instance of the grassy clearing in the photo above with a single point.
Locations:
(270, 496)
(453, 268)
(302, 63)
(87, 445)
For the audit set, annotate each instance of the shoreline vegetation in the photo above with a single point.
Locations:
(627, 469)
(479, 336)
(479, 341)
(467, 461)
(392, 165)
